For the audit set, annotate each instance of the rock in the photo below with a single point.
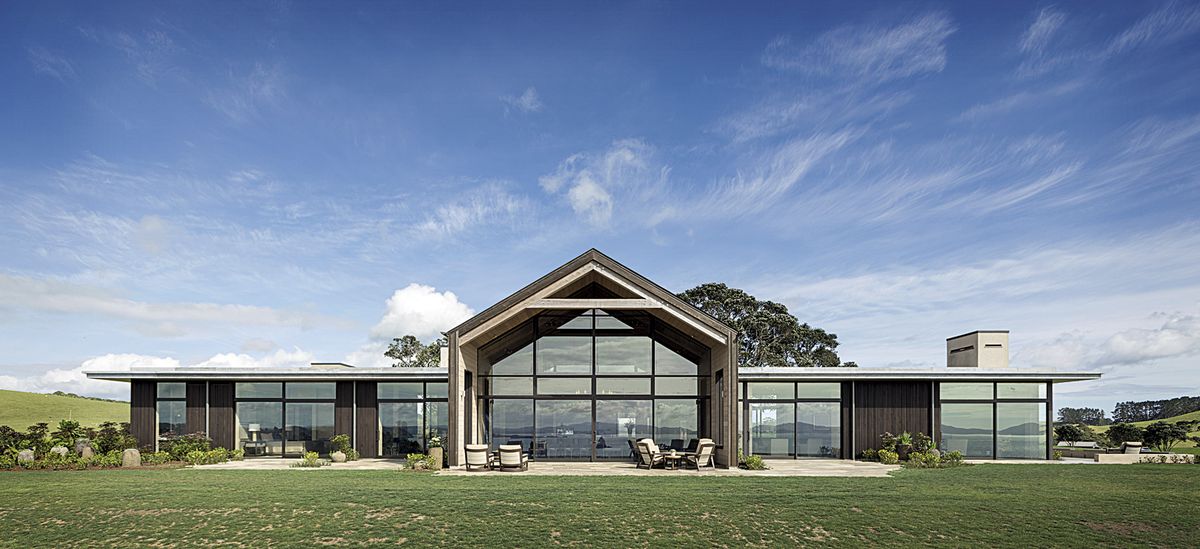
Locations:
(25, 455)
(87, 453)
(935, 452)
(131, 458)
(60, 450)
(338, 457)
(80, 444)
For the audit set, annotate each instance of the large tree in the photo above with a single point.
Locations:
(770, 335)
(408, 351)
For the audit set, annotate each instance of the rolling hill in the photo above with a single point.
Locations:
(1190, 416)
(19, 410)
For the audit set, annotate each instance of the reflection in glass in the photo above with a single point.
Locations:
(818, 390)
(325, 390)
(967, 428)
(771, 429)
(623, 355)
(258, 390)
(309, 427)
(623, 386)
(676, 422)
(771, 391)
(818, 429)
(437, 390)
(1021, 390)
(512, 386)
(665, 386)
(400, 428)
(564, 386)
(171, 418)
(667, 361)
(512, 422)
(564, 429)
(564, 355)
(260, 428)
(518, 363)
(171, 390)
(399, 391)
(617, 423)
(966, 391)
(437, 421)
(1021, 430)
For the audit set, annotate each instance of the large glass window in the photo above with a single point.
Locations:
(309, 427)
(1021, 390)
(564, 429)
(569, 355)
(623, 355)
(619, 425)
(772, 429)
(771, 390)
(172, 418)
(564, 386)
(171, 390)
(676, 422)
(818, 390)
(669, 362)
(967, 428)
(312, 391)
(818, 429)
(408, 417)
(512, 422)
(512, 386)
(623, 386)
(1021, 430)
(966, 391)
(258, 390)
(260, 428)
(400, 390)
(400, 427)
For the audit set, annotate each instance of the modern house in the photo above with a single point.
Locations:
(588, 358)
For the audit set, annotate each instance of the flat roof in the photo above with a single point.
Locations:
(978, 332)
(437, 373)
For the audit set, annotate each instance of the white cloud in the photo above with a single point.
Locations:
(869, 52)
(1167, 24)
(246, 96)
(1178, 336)
(55, 295)
(281, 358)
(594, 183)
(475, 209)
(1038, 35)
(74, 380)
(421, 311)
(527, 102)
(1017, 100)
(51, 64)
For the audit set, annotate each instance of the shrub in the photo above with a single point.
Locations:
(435, 441)
(870, 454)
(419, 462)
(207, 457)
(887, 441)
(1120, 433)
(922, 443)
(180, 446)
(888, 457)
(751, 462)
(36, 440)
(112, 436)
(67, 432)
(953, 459)
(923, 460)
(237, 455)
(1057, 455)
(310, 459)
(157, 458)
(7, 461)
(340, 443)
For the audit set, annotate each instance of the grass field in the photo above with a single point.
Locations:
(1188, 447)
(985, 505)
(20, 410)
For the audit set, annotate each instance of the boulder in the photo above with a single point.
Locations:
(87, 453)
(25, 455)
(60, 450)
(131, 458)
(80, 444)
(338, 457)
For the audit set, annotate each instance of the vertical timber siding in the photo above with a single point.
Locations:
(197, 416)
(143, 419)
(343, 409)
(889, 406)
(221, 415)
(366, 425)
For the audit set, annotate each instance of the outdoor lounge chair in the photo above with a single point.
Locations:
(703, 457)
(650, 453)
(478, 456)
(512, 458)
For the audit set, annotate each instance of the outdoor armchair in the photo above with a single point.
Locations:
(478, 456)
(703, 456)
(650, 453)
(512, 458)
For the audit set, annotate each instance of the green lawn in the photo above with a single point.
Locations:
(985, 505)
(19, 410)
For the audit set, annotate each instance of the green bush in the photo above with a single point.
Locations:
(751, 462)
(157, 458)
(207, 457)
(67, 432)
(1120, 433)
(310, 459)
(1057, 455)
(180, 446)
(923, 460)
(237, 455)
(922, 443)
(340, 443)
(887, 441)
(419, 462)
(870, 454)
(953, 459)
(112, 436)
(888, 457)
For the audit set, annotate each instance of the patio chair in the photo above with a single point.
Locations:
(650, 453)
(703, 457)
(512, 458)
(478, 456)
(633, 453)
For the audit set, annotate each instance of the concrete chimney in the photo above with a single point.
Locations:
(986, 349)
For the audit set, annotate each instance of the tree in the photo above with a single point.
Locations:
(1163, 436)
(1121, 433)
(1085, 416)
(409, 352)
(1068, 433)
(769, 335)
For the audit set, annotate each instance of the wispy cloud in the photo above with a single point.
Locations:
(596, 183)
(488, 205)
(1038, 35)
(1018, 100)
(872, 53)
(1165, 25)
(51, 64)
(246, 95)
(527, 102)
(151, 53)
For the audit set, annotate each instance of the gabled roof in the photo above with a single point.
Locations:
(589, 257)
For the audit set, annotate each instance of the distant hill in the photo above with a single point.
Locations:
(1190, 416)
(19, 410)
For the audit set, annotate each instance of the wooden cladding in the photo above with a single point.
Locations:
(890, 407)
(343, 409)
(221, 415)
(143, 419)
(197, 403)
(366, 440)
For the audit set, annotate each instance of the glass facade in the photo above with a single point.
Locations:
(586, 384)
(411, 413)
(793, 419)
(171, 408)
(995, 420)
(284, 419)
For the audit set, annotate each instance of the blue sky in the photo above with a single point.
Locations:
(282, 182)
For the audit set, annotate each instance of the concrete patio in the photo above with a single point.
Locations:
(778, 468)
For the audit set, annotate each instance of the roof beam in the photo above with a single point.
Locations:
(573, 303)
